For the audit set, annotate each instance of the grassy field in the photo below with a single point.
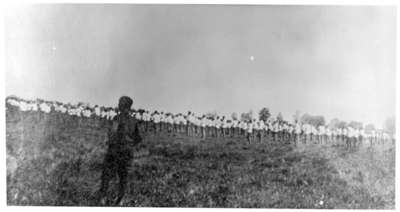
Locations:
(57, 160)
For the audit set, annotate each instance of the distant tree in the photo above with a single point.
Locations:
(319, 121)
(368, 128)
(316, 121)
(305, 118)
(211, 115)
(390, 125)
(356, 125)
(234, 116)
(279, 117)
(264, 114)
(247, 116)
(334, 123)
(83, 104)
(296, 116)
(342, 124)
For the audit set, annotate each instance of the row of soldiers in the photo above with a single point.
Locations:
(204, 126)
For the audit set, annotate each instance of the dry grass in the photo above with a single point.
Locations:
(57, 161)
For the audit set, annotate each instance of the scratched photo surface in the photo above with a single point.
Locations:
(207, 106)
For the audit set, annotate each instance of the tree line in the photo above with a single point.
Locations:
(315, 120)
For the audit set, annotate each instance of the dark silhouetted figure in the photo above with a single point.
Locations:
(122, 138)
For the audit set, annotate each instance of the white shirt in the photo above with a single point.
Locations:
(261, 125)
(328, 132)
(356, 133)
(225, 124)
(339, 131)
(71, 111)
(309, 129)
(13, 102)
(97, 111)
(344, 132)
(210, 123)
(78, 111)
(235, 123)
(23, 106)
(217, 123)
(112, 114)
(87, 113)
(33, 106)
(352, 132)
(103, 114)
(203, 122)
(250, 127)
(298, 129)
(138, 116)
(156, 118)
(243, 125)
(170, 119)
(57, 108)
(191, 118)
(276, 127)
(321, 130)
(44, 107)
(182, 120)
(266, 127)
(63, 109)
(162, 117)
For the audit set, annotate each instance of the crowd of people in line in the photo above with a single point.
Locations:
(203, 126)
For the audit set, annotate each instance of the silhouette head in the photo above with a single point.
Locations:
(125, 103)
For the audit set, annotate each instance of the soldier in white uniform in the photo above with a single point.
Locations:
(274, 131)
(363, 137)
(328, 136)
(293, 132)
(297, 133)
(347, 132)
(266, 130)
(112, 114)
(340, 137)
(191, 123)
(228, 128)
(261, 130)
(319, 134)
(308, 132)
(156, 122)
(256, 129)
(313, 134)
(162, 121)
(175, 122)
(224, 125)
(197, 128)
(203, 121)
(242, 128)
(170, 122)
(182, 123)
(249, 133)
(373, 138)
(356, 139)
(234, 128)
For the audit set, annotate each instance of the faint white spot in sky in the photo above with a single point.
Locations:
(252, 58)
(54, 48)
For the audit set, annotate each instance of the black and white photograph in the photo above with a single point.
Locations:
(200, 105)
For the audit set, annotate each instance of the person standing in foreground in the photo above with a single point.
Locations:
(123, 137)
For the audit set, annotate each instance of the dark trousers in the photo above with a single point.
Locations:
(116, 163)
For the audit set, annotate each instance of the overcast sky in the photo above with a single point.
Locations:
(324, 60)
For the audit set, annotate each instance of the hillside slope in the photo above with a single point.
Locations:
(56, 160)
